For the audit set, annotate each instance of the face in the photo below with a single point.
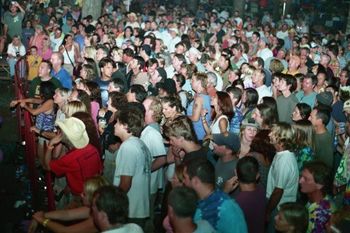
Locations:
(55, 60)
(272, 137)
(130, 96)
(58, 98)
(109, 106)
(307, 85)
(194, 83)
(168, 111)
(281, 223)
(313, 117)
(187, 179)
(283, 86)
(219, 149)
(175, 182)
(118, 129)
(249, 133)
(100, 54)
(307, 182)
(44, 70)
(107, 70)
(174, 141)
(73, 96)
(257, 116)
(296, 116)
(149, 113)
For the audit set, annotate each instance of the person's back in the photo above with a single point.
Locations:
(324, 148)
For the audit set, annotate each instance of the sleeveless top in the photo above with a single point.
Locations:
(70, 53)
(45, 122)
(215, 127)
(198, 125)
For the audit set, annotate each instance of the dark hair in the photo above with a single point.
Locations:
(247, 169)
(225, 104)
(118, 99)
(183, 200)
(104, 48)
(323, 113)
(47, 90)
(132, 117)
(268, 115)
(304, 110)
(173, 102)
(114, 202)
(236, 92)
(296, 215)
(119, 83)
(128, 52)
(85, 99)
(95, 91)
(106, 60)
(252, 98)
(202, 169)
(140, 92)
(290, 80)
(181, 79)
(321, 173)
(90, 129)
(140, 62)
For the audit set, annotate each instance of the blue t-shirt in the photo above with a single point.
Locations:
(221, 212)
(64, 77)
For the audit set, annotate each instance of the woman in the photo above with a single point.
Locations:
(92, 89)
(235, 94)
(200, 103)
(301, 112)
(249, 130)
(223, 112)
(172, 108)
(87, 72)
(180, 81)
(303, 140)
(53, 220)
(292, 218)
(46, 51)
(265, 116)
(250, 100)
(71, 53)
(45, 113)
(60, 99)
(72, 107)
(38, 38)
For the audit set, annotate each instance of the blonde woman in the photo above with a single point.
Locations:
(82, 215)
(72, 107)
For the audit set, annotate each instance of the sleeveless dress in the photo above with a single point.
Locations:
(215, 127)
(45, 121)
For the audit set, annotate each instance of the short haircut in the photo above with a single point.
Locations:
(284, 134)
(119, 83)
(181, 58)
(128, 52)
(181, 127)
(114, 202)
(236, 92)
(290, 80)
(118, 99)
(156, 107)
(201, 168)
(103, 48)
(140, 62)
(106, 60)
(296, 215)
(202, 77)
(322, 174)
(183, 200)
(132, 117)
(323, 113)
(140, 92)
(247, 169)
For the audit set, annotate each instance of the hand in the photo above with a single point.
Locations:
(33, 226)
(34, 129)
(231, 184)
(23, 104)
(55, 140)
(13, 103)
(204, 112)
(39, 216)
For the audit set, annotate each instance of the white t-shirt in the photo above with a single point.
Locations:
(127, 228)
(13, 50)
(263, 91)
(264, 53)
(283, 174)
(154, 141)
(134, 159)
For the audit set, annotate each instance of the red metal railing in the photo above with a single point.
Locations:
(24, 120)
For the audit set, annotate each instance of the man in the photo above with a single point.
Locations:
(264, 52)
(153, 139)
(323, 141)
(183, 140)
(251, 197)
(307, 94)
(138, 76)
(315, 181)
(43, 76)
(293, 65)
(136, 93)
(287, 101)
(101, 52)
(56, 38)
(226, 148)
(59, 72)
(133, 163)
(109, 210)
(258, 79)
(214, 206)
(106, 66)
(282, 180)
(182, 204)
(194, 56)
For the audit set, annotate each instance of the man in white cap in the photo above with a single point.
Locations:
(81, 162)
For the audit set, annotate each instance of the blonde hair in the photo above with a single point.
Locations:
(72, 107)
(303, 133)
(64, 92)
(92, 184)
(284, 135)
(90, 51)
(203, 78)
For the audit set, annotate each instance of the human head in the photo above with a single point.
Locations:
(199, 172)
(264, 115)
(130, 118)
(301, 112)
(110, 207)
(116, 100)
(61, 96)
(180, 130)
(153, 107)
(107, 66)
(182, 203)
(72, 107)
(74, 131)
(292, 217)
(57, 59)
(282, 135)
(47, 90)
(224, 104)
(315, 177)
(319, 116)
(250, 98)
(171, 106)
(303, 133)
(136, 93)
(247, 170)
(90, 186)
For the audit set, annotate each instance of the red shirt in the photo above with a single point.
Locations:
(78, 165)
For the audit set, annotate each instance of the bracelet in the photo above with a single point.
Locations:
(45, 222)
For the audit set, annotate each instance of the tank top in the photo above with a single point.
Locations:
(198, 125)
(215, 127)
(70, 53)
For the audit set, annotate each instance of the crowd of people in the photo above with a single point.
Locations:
(221, 123)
